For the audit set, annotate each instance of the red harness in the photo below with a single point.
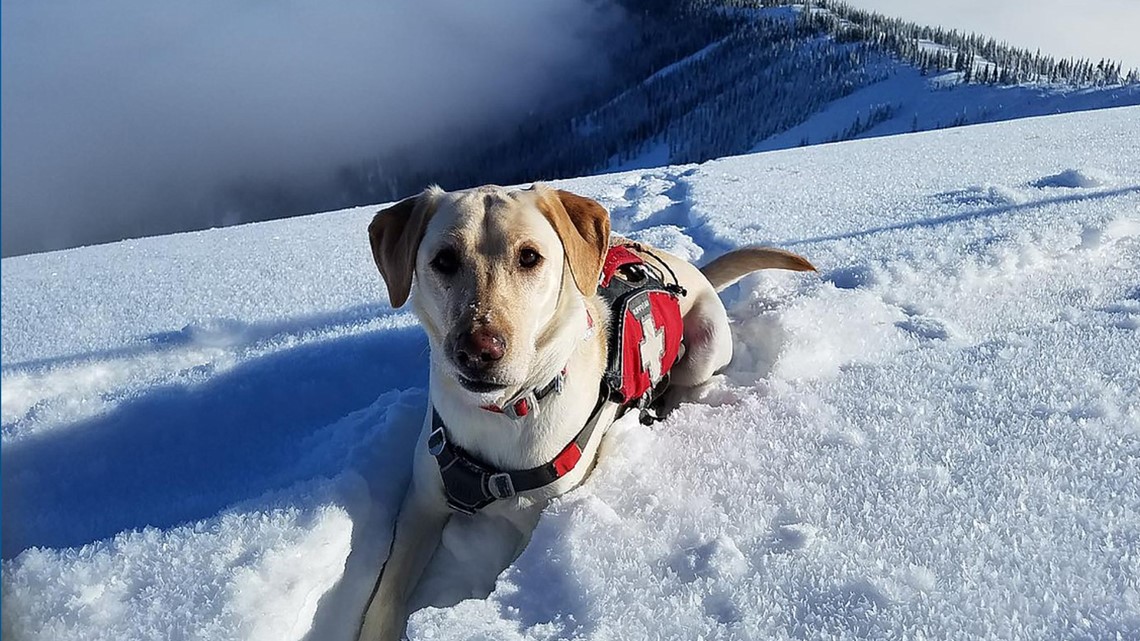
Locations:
(645, 326)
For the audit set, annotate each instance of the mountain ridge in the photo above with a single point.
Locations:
(723, 78)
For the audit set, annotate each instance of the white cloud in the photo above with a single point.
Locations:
(1092, 29)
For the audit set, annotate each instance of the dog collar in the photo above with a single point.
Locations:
(471, 484)
(525, 402)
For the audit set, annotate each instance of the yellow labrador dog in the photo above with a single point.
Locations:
(507, 292)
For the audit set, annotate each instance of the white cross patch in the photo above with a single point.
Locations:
(652, 348)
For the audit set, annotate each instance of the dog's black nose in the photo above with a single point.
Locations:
(479, 348)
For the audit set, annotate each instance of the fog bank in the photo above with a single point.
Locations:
(124, 117)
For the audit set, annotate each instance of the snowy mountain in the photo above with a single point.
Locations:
(938, 436)
(701, 79)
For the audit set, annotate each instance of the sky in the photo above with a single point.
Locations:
(123, 117)
(1092, 29)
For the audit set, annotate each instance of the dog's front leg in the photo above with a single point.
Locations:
(419, 526)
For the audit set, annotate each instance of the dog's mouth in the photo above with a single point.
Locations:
(479, 386)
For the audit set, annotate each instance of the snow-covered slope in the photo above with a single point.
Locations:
(908, 101)
(938, 436)
(903, 101)
(783, 80)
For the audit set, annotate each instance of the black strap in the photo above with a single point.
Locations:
(525, 403)
(471, 484)
(555, 384)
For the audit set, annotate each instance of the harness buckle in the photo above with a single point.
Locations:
(500, 485)
(436, 441)
(521, 405)
(634, 272)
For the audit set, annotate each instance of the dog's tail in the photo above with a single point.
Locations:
(738, 263)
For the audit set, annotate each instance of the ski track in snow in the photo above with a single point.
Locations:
(936, 437)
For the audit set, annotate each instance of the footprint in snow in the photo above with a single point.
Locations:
(654, 199)
(789, 537)
(924, 328)
(853, 277)
(721, 606)
(848, 610)
(718, 559)
(1110, 233)
(790, 532)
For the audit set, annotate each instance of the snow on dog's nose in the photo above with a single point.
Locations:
(476, 353)
(479, 348)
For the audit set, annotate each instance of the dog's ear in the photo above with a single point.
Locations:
(395, 234)
(584, 227)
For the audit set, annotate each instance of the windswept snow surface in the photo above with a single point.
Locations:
(937, 436)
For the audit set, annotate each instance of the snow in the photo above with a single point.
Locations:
(921, 103)
(938, 436)
(241, 575)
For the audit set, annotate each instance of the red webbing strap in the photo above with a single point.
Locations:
(616, 258)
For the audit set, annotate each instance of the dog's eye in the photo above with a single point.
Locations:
(446, 261)
(529, 258)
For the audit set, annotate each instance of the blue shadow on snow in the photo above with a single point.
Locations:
(182, 453)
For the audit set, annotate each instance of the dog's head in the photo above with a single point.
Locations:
(496, 275)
